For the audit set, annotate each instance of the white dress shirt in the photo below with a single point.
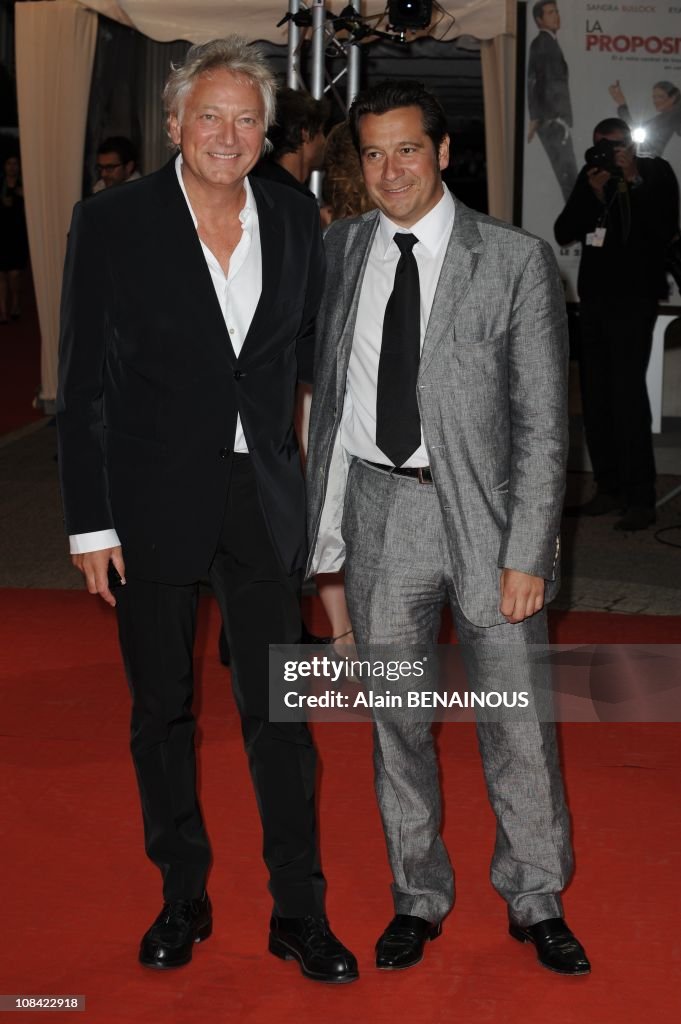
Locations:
(358, 425)
(238, 294)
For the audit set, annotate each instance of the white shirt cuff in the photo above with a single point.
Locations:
(99, 540)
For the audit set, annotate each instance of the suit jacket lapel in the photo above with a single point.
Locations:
(178, 235)
(271, 248)
(459, 265)
(357, 247)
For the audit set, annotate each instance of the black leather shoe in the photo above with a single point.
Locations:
(401, 944)
(170, 940)
(556, 946)
(310, 941)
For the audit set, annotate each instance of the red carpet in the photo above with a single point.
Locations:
(78, 891)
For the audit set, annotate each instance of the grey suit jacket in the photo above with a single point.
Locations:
(492, 394)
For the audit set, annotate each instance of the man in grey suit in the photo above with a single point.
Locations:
(438, 441)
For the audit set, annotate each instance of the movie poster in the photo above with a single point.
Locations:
(585, 61)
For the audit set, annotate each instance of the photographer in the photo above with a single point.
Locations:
(624, 210)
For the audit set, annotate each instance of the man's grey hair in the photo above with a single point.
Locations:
(244, 60)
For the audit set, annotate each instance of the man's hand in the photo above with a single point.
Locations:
(522, 595)
(532, 130)
(597, 180)
(95, 567)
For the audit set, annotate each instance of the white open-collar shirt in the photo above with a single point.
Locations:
(238, 294)
(358, 424)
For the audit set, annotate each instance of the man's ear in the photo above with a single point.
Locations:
(443, 153)
(129, 168)
(174, 129)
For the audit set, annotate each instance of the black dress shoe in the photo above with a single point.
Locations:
(401, 944)
(170, 940)
(556, 946)
(310, 941)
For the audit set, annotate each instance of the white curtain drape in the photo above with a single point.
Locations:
(165, 20)
(55, 47)
(498, 58)
(155, 151)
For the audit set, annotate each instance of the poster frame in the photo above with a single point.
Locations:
(663, 309)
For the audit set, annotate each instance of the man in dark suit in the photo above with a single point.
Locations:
(436, 472)
(548, 96)
(188, 306)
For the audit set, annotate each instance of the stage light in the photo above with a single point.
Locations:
(410, 13)
(638, 135)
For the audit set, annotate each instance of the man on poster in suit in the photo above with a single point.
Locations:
(188, 305)
(436, 466)
(548, 96)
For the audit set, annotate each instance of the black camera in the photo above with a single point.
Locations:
(602, 156)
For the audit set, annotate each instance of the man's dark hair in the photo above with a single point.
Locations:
(538, 9)
(612, 124)
(391, 94)
(297, 112)
(119, 144)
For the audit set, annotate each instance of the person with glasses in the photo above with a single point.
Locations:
(116, 162)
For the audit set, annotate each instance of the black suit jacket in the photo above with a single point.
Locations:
(548, 91)
(150, 386)
(629, 268)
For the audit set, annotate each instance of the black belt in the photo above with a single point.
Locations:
(420, 473)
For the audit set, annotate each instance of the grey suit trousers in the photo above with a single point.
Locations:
(397, 579)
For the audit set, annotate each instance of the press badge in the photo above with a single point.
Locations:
(596, 238)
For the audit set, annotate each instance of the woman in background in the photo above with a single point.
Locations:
(13, 239)
(343, 188)
(665, 123)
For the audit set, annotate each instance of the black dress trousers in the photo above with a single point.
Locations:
(616, 341)
(260, 604)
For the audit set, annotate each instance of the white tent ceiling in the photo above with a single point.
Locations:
(199, 20)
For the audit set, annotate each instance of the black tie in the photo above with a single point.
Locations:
(398, 425)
